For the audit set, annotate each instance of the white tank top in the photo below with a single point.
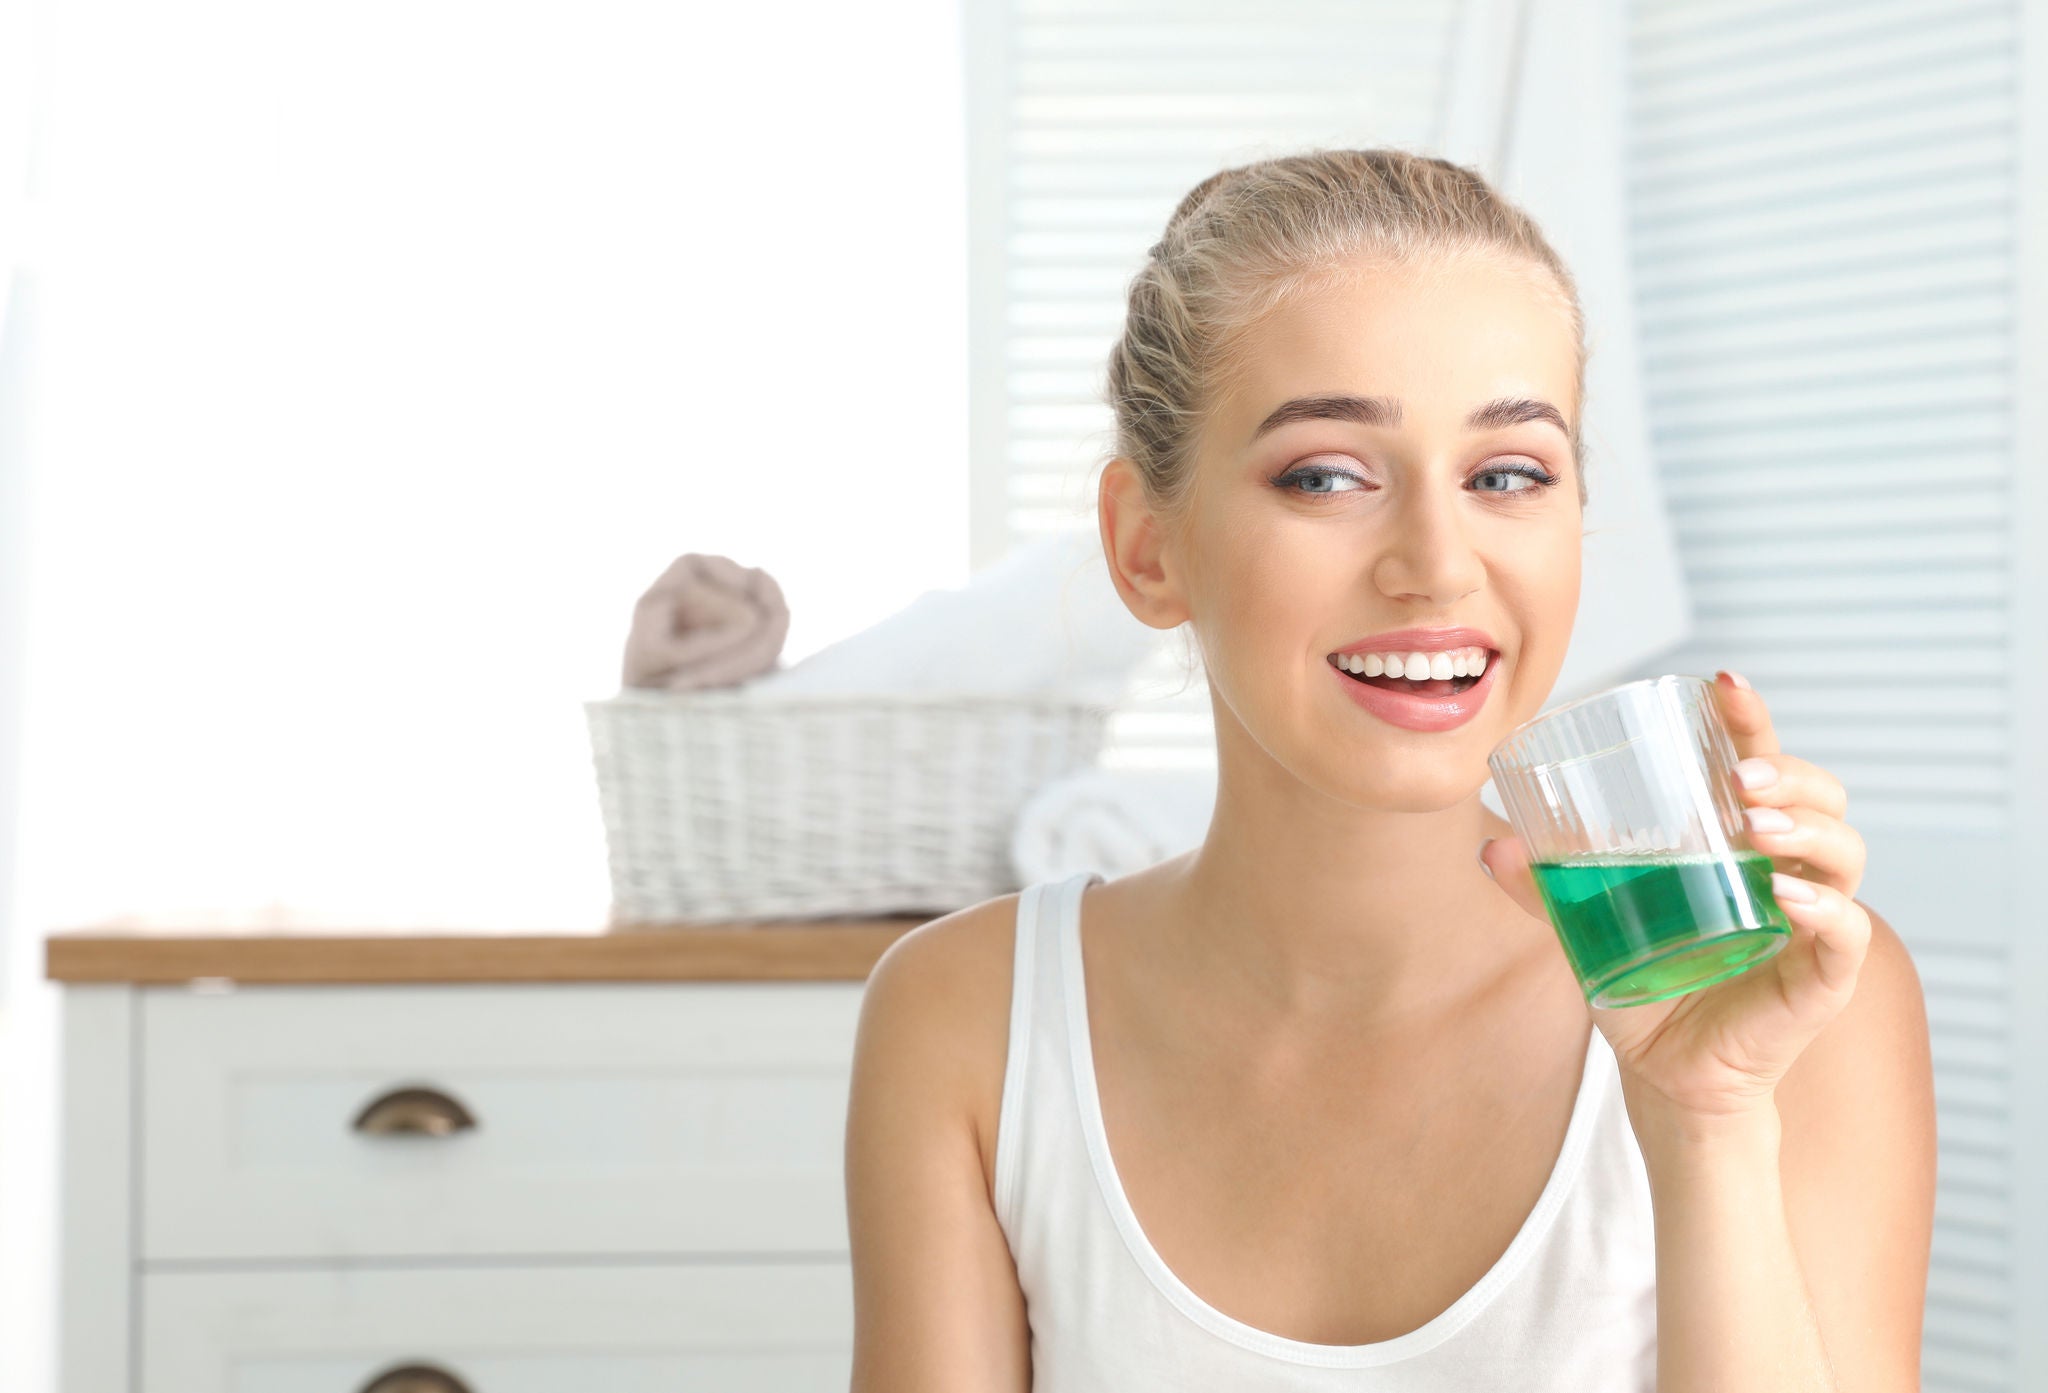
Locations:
(1571, 1306)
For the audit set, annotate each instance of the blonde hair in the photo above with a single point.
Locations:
(1247, 238)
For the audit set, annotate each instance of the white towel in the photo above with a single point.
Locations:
(1044, 619)
(1536, 101)
(1113, 821)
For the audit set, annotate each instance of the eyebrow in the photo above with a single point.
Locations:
(1386, 411)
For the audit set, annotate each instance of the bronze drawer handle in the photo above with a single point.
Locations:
(423, 1112)
(415, 1378)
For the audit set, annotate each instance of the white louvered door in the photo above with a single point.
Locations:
(1824, 244)
(1826, 210)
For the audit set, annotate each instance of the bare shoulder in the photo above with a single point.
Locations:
(1879, 1041)
(937, 1008)
(1857, 1158)
(937, 1302)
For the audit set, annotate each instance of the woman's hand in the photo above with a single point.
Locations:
(1722, 1049)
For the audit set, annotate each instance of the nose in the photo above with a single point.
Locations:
(1427, 553)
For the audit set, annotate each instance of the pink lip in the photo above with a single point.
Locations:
(1422, 641)
(1421, 712)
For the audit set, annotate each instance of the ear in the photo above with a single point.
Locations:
(1136, 546)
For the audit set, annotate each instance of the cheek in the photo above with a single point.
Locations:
(1560, 577)
(1261, 598)
(1544, 582)
(1263, 579)
(1570, 567)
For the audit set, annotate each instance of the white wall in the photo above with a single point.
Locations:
(383, 353)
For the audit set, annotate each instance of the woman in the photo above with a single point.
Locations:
(1319, 1105)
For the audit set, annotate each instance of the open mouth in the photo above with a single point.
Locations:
(1423, 687)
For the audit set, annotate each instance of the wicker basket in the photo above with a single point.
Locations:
(723, 805)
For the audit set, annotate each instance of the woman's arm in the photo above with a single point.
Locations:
(1793, 1243)
(936, 1301)
(1733, 1310)
(1786, 1115)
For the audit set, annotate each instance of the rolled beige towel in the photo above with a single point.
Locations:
(706, 622)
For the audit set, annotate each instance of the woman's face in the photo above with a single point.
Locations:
(1308, 532)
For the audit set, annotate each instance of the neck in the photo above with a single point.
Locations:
(1317, 909)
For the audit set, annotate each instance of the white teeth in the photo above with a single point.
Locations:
(1440, 666)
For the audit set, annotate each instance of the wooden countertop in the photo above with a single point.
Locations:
(294, 948)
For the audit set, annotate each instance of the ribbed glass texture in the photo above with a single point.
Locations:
(1645, 769)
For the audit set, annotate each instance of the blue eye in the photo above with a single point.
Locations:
(1329, 477)
(1543, 478)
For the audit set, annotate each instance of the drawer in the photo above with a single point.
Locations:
(730, 1327)
(665, 1118)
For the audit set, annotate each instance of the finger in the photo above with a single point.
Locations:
(1744, 713)
(1830, 935)
(1507, 861)
(1782, 780)
(1809, 844)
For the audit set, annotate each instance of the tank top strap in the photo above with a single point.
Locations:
(1034, 1068)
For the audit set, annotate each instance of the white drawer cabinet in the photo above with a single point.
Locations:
(284, 1189)
(710, 1328)
(690, 1117)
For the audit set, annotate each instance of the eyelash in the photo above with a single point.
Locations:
(1543, 477)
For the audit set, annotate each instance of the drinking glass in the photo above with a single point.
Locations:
(1626, 800)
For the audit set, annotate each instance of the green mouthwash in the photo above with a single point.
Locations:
(1638, 929)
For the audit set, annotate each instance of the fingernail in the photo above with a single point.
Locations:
(1768, 819)
(1787, 887)
(1737, 679)
(1482, 858)
(1756, 773)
